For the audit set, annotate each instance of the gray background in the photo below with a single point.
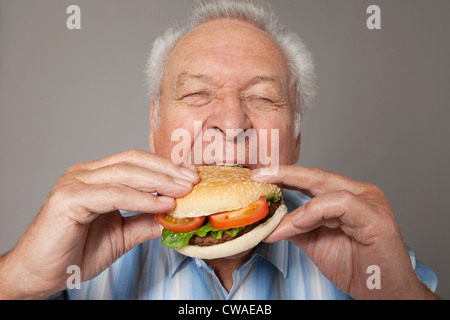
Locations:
(381, 114)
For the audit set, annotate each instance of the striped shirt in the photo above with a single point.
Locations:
(278, 270)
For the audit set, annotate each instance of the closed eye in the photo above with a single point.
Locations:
(197, 98)
(260, 102)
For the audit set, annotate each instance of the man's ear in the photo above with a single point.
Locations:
(151, 136)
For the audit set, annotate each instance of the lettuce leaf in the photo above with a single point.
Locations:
(272, 198)
(175, 240)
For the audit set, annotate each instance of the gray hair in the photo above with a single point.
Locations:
(255, 12)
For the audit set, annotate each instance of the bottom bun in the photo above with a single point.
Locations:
(243, 243)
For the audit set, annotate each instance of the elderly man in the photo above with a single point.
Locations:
(231, 66)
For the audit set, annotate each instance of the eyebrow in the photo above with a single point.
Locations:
(259, 79)
(186, 76)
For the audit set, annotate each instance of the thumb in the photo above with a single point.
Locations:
(286, 228)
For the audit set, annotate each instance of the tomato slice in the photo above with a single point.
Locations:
(179, 225)
(241, 217)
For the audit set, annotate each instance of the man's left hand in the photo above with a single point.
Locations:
(345, 228)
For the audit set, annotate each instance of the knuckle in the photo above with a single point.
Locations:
(81, 166)
(321, 181)
(322, 173)
(170, 167)
(374, 189)
(67, 186)
(346, 197)
(113, 191)
(372, 192)
(75, 167)
(64, 190)
(120, 168)
(134, 153)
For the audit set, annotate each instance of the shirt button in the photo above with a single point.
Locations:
(198, 262)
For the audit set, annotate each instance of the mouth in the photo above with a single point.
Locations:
(232, 164)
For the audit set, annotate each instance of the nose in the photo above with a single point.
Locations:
(228, 113)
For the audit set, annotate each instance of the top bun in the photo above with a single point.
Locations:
(222, 188)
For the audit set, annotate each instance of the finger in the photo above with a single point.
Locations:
(85, 202)
(137, 177)
(286, 228)
(142, 159)
(353, 215)
(342, 205)
(315, 180)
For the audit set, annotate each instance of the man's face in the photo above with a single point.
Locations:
(226, 74)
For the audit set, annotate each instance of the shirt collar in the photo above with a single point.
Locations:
(175, 260)
(275, 253)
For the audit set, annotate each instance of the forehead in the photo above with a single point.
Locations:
(227, 49)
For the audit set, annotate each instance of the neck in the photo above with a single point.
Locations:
(224, 267)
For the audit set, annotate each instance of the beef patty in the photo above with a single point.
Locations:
(209, 240)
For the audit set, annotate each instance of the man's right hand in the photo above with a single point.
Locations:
(80, 223)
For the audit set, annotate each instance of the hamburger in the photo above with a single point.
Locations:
(225, 214)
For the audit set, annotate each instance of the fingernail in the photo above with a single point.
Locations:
(296, 220)
(189, 173)
(182, 182)
(165, 199)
